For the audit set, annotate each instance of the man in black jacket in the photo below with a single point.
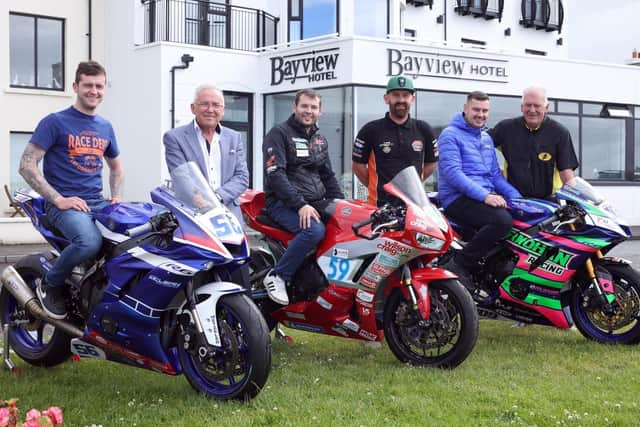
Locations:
(299, 183)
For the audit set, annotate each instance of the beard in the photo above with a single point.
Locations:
(399, 110)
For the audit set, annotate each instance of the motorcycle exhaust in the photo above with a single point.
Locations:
(16, 286)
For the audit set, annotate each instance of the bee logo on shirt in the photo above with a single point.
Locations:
(544, 156)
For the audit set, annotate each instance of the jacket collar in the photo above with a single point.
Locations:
(297, 126)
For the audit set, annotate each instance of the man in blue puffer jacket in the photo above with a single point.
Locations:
(471, 187)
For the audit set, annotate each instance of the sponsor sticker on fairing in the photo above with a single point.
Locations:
(341, 253)
(388, 260)
(364, 295)
(380, 269)
(367, 335)
(351, 325)
(324, 303)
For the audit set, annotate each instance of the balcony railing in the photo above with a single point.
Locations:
(543, 14)
(209, 24)
(488, 9)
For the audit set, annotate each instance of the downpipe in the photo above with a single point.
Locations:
(16, 286)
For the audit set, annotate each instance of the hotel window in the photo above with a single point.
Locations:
(312, 18)
(603, 144)
(206, 23)
(488, 9)
(545, 15)
(36, 52)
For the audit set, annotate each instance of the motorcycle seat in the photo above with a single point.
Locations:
(264, 218)
(265, 221)
(47, 224)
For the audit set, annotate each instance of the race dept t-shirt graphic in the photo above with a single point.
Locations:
(86, 151)
(75, 144)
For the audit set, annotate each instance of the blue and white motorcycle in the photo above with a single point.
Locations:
(158, 296)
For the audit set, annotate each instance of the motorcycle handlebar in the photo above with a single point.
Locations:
(158, 222)
(140, 229)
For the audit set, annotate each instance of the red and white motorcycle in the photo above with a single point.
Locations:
(371, 277)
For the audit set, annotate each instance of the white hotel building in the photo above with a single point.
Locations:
(260, 52)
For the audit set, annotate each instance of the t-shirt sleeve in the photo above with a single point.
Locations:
(112, 150)
(46, 132)
(362, 146)
(567, 158)
(431, 143)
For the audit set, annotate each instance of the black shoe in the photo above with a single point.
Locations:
(463, 274)
(52, 300)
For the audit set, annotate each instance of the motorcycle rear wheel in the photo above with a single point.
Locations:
(621, 327)
(239, 370)
(445, 339)
(33, 340)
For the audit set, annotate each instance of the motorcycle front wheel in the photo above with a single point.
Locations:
(621, 325)
(240, 367)
(33, 340)
(445, 339)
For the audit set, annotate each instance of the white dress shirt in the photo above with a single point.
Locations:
(212, 156)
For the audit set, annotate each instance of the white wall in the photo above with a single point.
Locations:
(491, 31)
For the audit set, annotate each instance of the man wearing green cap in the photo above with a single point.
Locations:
(385, 146)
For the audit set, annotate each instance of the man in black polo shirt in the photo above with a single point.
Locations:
(538, 150)
(385, 146)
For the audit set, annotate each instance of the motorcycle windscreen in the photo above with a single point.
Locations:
(408, 187)
(600, 211)
(212, 224)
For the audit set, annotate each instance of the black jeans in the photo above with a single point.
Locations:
(491, 224)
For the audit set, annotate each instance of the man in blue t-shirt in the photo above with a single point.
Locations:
(73, 143)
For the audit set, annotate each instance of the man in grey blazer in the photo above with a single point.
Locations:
(217, 150)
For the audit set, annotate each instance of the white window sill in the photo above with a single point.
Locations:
(38, 92)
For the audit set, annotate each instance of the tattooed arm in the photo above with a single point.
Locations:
(29, 170)
(116, 178)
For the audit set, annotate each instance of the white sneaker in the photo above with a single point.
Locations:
(276, 288)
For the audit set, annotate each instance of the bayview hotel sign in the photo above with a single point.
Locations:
(435, 64)
(307, 67)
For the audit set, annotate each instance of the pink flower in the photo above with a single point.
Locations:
(33, 415)
(55, 413)
(5, 415)
(31, 423)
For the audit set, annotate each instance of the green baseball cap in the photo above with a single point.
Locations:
(400, 83)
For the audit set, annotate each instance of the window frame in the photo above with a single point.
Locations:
(35, 54)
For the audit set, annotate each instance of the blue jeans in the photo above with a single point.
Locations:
(305, 239)
(84, 237)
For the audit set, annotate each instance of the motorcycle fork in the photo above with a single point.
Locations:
(601, 298)
(201, 344)
(420, 304)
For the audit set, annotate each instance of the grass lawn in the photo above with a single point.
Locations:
(531, 376)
